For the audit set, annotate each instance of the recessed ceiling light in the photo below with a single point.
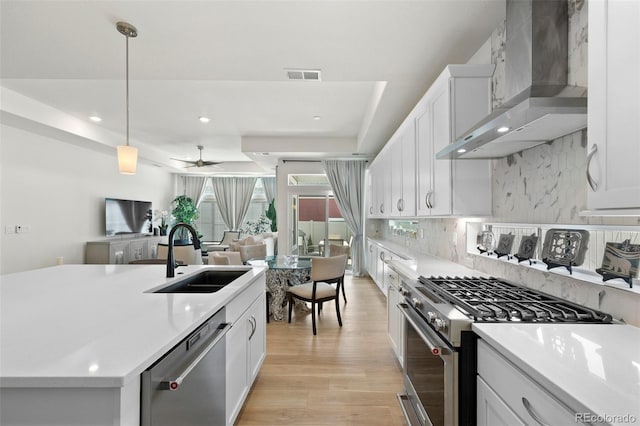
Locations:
(316, 117)
(462, 151)
(502, 129)
(204, 119)
(95, 119)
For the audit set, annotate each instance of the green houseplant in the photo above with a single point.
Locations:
(271, 215)
(185, 210)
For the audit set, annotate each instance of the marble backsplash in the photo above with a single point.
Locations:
(542, 185)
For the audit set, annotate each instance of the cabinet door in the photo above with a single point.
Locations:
(384, 184)
(118, 253)
(395, 166)
(369, 192)
(408, 202)
(237, 373)
(394, 321)
(373, 189)
(441, 131)
(257, 337)
(614, 104)
(371, 263)
(137, 250)
(491, 410)
(425, 154)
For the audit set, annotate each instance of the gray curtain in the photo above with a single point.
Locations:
(269, 184)
(224, 188)
(347, 181)
(244, 191)
(233, 195)
(193, 187)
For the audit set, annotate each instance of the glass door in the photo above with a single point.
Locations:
(318, 223)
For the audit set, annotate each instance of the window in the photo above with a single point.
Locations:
(210, 223)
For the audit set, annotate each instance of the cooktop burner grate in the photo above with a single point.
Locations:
(490, 299)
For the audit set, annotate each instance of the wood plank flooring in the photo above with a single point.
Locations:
(341, 376)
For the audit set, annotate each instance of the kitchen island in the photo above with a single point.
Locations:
(74, 339)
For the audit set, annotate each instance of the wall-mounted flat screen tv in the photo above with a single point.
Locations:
(127, 217)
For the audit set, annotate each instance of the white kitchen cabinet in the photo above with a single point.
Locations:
(491, 410)
(245, 346)
(515, 394)
(403, 171)
(395, 320)
(372, 254)
(614, 105)
(460, 97)
(376, 264)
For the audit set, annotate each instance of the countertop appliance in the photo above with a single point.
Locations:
(187, 385)
(440, 348)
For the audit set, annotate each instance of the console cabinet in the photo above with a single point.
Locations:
(613, 151)
(122, 250)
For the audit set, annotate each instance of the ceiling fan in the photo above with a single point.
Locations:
(200, 162)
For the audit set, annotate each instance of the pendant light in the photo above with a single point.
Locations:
(127, 155)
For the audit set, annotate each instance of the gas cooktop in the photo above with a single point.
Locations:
(494, 300)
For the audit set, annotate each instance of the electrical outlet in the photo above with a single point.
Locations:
(22, 229)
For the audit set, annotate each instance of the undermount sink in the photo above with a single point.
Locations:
(208, 281)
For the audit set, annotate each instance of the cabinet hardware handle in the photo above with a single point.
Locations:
(254, 326)
(381, 208)
(592, 183)
(371, 210)
(426, 200)
(429, 204)
(402, 199)
(400, 204)
(532, 413)
(381, 256)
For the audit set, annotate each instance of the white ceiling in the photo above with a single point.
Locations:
(226, 60)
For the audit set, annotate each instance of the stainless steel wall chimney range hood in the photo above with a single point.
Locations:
(540, 105)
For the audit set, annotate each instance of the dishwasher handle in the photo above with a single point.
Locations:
(174, 384)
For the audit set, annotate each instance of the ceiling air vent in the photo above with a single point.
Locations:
(303, 75)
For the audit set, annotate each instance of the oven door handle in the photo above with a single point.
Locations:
(429, 337)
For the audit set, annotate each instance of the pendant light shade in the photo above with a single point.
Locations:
(127, 155)
(127, 159)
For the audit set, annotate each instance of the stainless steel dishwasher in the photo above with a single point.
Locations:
(187, 386)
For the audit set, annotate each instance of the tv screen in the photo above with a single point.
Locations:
(127, 217)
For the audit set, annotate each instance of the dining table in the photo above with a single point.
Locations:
(284, 271)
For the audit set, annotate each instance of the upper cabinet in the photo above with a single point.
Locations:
(406, 179)
(460, 97)
(614, 106)
(403, 172)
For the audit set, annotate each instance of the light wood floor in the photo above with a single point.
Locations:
(341, 376)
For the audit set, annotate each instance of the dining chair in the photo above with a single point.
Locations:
(335, 250)
(225, 258)
(186, 254)
(324, 272)
(255, 251)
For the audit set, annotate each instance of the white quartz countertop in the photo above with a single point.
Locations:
(96, 325)
(588, 366)
(414, 265)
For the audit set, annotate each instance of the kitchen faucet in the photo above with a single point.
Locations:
(171, 264)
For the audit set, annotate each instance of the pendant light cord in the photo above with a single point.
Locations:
(127, 82)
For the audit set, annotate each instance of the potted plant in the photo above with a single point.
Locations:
(185, 211)
(271, 215)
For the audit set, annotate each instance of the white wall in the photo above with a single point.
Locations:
(58, 190)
